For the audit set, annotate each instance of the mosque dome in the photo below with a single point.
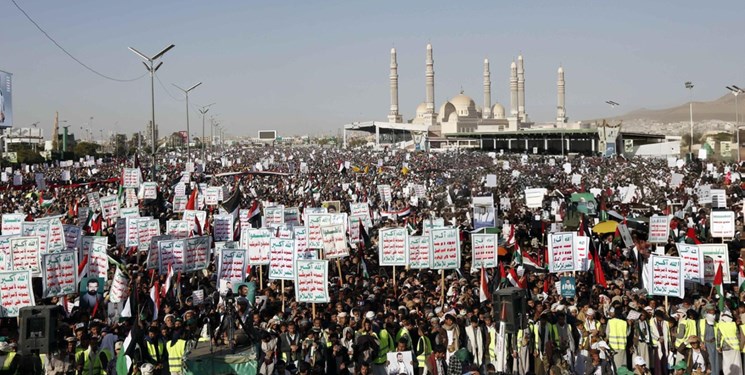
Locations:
(445, 110)
(421, 109)
(464, 105)
(498, 111)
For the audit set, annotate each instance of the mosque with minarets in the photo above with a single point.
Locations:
(460, 123)
(461, 114)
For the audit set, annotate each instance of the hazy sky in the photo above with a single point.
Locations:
(310, 66)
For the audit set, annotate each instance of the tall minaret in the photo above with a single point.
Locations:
(430, 81)
(561, 115)
(513, 90)
(486, 113)
(521, 89)
(393, 115)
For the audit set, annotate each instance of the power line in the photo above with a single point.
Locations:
(68, 53)
(166, 90)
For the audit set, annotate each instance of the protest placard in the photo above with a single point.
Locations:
(98, 260)
(292, 217)
(131, 178)
(178, 228)
(194, 216)
(197, 253)
(274, 216)
(73, 236)
(659, 229)
(150, 190)
(704, 194)
(119, 287)
(693, 262)
(56, 239)
(719, 255)
(153, 253)
(430, 224)
(623, 229)
(179, 203)
(212, 195)
(59, 274)
(668, 276)
(444, 248)
(393, 249)
(722, 224)
(561, 256)
(483, 250)
(25, 252)
(718, 198)
(581, 249)
(37, 229)
(568, 287)
(316, 221)
(6, 254)
(15, 293)
(171, 255)
(223, 227)
(534, 197)
(282, 258)
(147, 229)
(11, 223)
(301, 243)
(311, 281)
(334, 241)
(419, 252)
(232, 265)
(361, 210)
(258, 243)
(385, 193)
(110, 207)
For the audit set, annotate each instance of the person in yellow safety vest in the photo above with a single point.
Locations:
(729, 344)
(403, 333)
(618, 333)
(707, 330)
(422, 349)
(686, 328)
(8, 358)
(491, 333)
(94, 359)
(386, 345)
(176, 348)
(741, 336)
(157, 349)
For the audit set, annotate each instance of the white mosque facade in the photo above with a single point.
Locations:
(460, 114)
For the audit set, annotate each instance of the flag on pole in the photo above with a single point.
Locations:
(191, 204)
(155, 296)
(167, 287)
(484, 294)
(599, 274)
(718, 281)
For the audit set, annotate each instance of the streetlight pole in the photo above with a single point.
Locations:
(152, 68)
(188, 132)
(204, 111)
(736, 91)
(689, 86)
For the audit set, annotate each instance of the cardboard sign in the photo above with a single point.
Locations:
(561, 255)
(197, 253)
(212, 195)
(693, 262)
(119, 287)
(581, 249)
(334, 241)
(719, 256)
(223, 227)
(361, 210)
(178, 228)
(150, 190)
(25, 253)
(659, 229)
(171, 254)
(131, 178)
(274, 216)
(534, 197)
(153, 254)
(179, 203)
(668, 276)
(292, 217)
(11, 223)
(626, 235)
(6, 255)
(16, 292)
(445, 248)
(191, 217)
(98, 260)
(722, 224)
(419, 252)
(316, 221)
(59, 274)
(567, 286)
(311, 281)
(232, 265)
(484, 250)
(430, 224)
(110, 207)
(718, 198)
(301, 243)
(282, 258)
(73, 236)
(385, 193)
(37, 229)
(393, 247)
(258, 244)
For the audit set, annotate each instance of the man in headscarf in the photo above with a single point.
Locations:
(729, 343)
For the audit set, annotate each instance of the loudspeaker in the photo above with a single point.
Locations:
(38, 329)
(509, 307)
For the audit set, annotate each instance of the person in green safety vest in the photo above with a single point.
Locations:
(176, 348)
(387, 344)
(93, 361)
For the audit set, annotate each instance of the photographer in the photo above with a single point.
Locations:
(236, 320)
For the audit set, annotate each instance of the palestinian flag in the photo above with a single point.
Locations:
(515, 280)
(411, 228)
(741, 273)
(529, 263)
(133, 351)
(502, 275)
(484, 294)
(45, 203)
(691, 235)
(718, 281)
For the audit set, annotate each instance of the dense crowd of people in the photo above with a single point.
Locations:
(426, 325)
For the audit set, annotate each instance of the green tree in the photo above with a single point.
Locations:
(83, 149)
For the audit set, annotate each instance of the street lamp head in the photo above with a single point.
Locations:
(138, 53)
(689, 85)
(193, 87)
(161, 53)
(158, 66)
